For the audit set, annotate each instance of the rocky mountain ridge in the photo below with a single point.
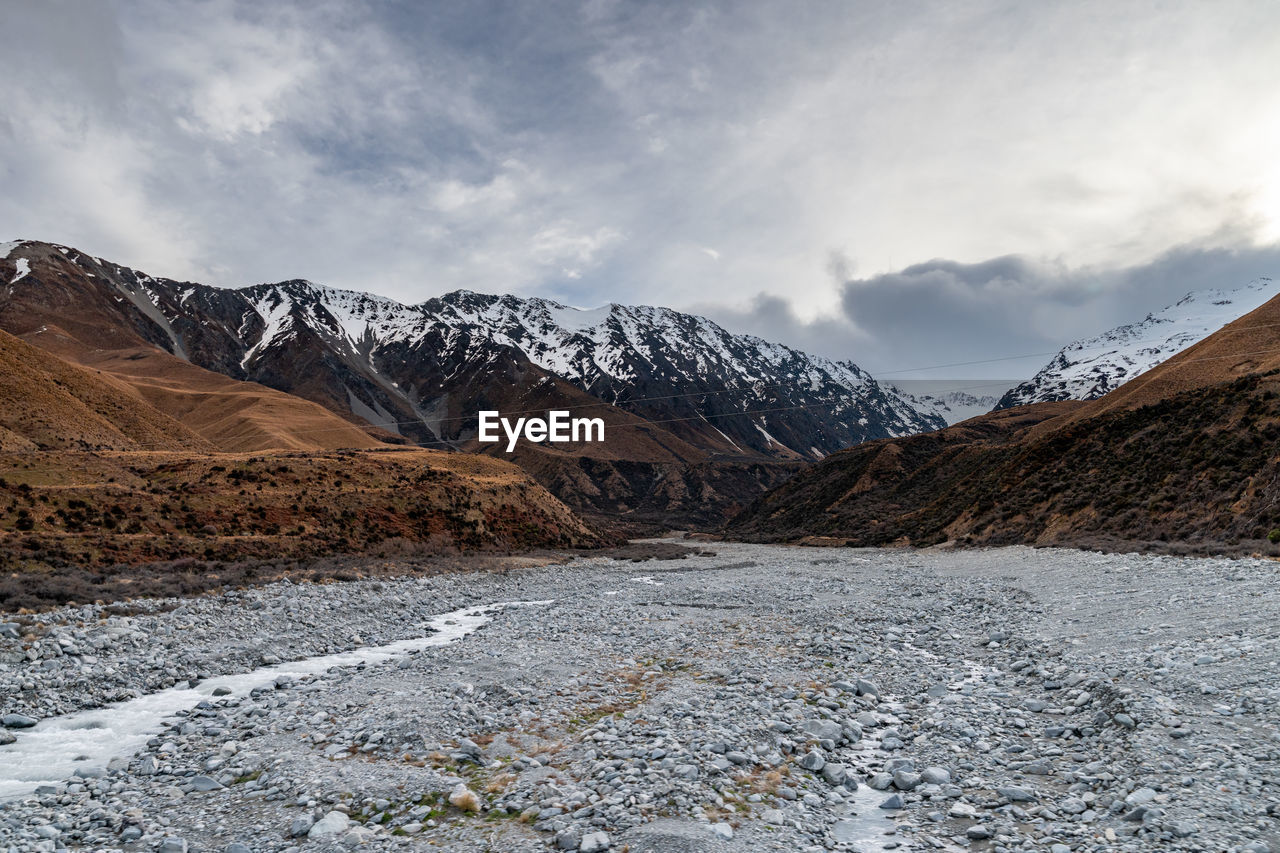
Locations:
(1090, 368)
(413, 369)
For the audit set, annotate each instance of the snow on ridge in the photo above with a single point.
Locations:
(1087, 369)
(6, 248)
(615, 343)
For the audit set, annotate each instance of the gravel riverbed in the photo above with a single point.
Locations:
(762, 698)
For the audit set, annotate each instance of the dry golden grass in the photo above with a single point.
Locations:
(47, 402)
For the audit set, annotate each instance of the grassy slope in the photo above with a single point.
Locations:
(46, 402)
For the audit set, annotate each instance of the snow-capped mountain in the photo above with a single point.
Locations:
(732, 393)
(1090, 368)
(423, 370)
(952, 400)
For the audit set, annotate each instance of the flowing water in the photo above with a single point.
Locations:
(56, 747)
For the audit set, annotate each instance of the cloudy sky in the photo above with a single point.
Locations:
(904, 183)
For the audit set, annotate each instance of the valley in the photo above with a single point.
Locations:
(291, 568)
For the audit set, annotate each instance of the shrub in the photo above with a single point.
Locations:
(1274, 536)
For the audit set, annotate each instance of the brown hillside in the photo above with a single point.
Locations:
(59, 306)
(70, 515)
(49, 404)
(641, 476)
(232, 415)
(1188, 459)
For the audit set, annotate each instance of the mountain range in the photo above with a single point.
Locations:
(698, 419)
(117, 380)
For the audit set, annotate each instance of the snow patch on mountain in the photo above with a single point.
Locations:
(1090, 368)
(23, 268)
(952, 400)
(603, 350)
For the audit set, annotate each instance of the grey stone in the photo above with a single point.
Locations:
(935, 775)
(894, 802)
(594, 842)
(905, 780)
(880, 782)
(822, 729)
(835, 774)
(812, 760)
(332, 824)
(18, 721)
(204, 783)
(1140, 797)
(1017, 794)
(301, 826)
(1073, 805)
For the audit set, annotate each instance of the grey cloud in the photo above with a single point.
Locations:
(774, 319)
(944, 312)
(590, 151)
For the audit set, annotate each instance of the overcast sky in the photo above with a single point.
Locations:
(901, 183)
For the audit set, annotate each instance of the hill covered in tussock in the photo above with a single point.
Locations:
(48, 403)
